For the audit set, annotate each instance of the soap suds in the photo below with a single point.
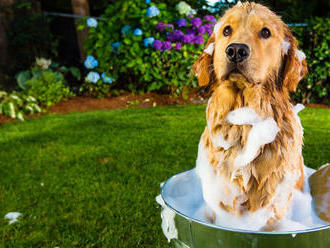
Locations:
(217, 27)
(297, 108)
(300, 55)
(213, 185)
(243, 116)
(168, 224)
(209, 50)
(285, 46)
(12, 217)
(262, 132)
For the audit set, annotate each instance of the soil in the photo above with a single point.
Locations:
(125, 100)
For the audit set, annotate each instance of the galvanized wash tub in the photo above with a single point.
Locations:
(186, 231)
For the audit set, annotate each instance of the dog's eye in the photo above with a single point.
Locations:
(265, 33)
(227, 31)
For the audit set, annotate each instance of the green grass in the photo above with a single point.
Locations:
(101, 173)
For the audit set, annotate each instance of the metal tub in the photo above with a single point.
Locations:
(194, 233)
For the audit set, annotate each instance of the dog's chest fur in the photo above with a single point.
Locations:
(255, 185)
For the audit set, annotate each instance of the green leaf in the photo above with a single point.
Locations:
(75, 72)
(12, 112)
(20, 116)
(80, 27)
(127, 41)
(3, 94)
(22, 78)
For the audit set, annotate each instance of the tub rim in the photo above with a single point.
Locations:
(228, 228)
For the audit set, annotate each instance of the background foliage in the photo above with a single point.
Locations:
(315, 40)
(32, 34)
(134, 66)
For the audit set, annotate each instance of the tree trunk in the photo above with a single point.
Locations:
(4, 58)
(3, 43)
(81, 7)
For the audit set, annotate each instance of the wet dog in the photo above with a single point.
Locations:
(250, 154)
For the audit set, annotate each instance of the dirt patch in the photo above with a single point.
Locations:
(317, 105)
(4, 119)
(80, 104)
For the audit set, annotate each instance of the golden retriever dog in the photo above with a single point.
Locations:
(250, 153)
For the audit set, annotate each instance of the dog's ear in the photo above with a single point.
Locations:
(295, 63)
(203, 67)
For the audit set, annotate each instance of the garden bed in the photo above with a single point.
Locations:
(126, 100)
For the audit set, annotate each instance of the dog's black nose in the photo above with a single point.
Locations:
(237, 52)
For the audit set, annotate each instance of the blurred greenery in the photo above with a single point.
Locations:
(90, 179)
(31, 34)
(315, 42)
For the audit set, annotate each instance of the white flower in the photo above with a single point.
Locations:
(43, 63)
(183, 8)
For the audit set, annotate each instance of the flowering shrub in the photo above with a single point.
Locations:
(45, 82)
(145, 46)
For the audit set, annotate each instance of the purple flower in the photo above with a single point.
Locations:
(171, 26)
(210, 18)
(177, 35)
(157, 44)
(161, 26)
(167, 45)
(209, 28)
(170, 37)
(199, 39)
(178, 45)
(188, 38)
(181, 22)
(190, 31)
(191, 16)
(196, 22)
(201, 29)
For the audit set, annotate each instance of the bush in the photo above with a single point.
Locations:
(48, 88)
(44, 84)
(16, 105)
(315, 42)
(142, 49)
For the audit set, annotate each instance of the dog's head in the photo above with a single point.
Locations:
(252, 41)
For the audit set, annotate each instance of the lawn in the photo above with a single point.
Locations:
(90, 179)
